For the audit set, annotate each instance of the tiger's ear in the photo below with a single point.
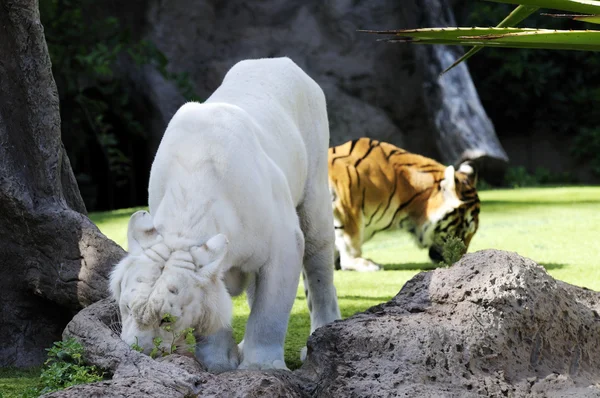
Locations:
(208, 257)
(141, 233)
(448, 185)
(467, 168)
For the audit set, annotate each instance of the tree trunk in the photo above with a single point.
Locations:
(452, 100)
(53, 259)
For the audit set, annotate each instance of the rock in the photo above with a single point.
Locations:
(493, 324)
(137, 375)
(386, 91)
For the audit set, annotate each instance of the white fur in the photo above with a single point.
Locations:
(248, 167)
(451, 202)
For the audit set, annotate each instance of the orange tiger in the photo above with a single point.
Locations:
(377, 186)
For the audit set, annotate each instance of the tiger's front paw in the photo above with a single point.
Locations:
(359, 264)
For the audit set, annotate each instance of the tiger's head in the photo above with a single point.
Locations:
(455, 210)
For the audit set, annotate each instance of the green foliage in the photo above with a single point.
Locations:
(97, 111)
(540, 90)
(518, 177)
(452, 250)
(136, 347)
(586, 147)
(83, 53)
(483, 185)
(167, 323)
(65, 367)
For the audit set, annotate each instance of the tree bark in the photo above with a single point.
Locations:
(53, 259)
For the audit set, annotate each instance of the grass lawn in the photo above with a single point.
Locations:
(557, 227)
(14, 382)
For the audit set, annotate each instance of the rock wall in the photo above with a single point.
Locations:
(493, 324)
(382, 90)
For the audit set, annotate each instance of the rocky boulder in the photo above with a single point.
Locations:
(493, 324)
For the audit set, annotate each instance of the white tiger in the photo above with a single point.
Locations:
(238, 199)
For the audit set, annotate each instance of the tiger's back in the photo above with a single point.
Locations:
(377, 186)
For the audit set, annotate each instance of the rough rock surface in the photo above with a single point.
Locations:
(493, 324)
(386, 91)
(137, 375)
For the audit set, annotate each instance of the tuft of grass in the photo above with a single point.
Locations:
(556, 227)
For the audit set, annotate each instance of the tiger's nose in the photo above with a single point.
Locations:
(435, 254)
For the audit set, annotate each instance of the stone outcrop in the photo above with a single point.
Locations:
(493, 324)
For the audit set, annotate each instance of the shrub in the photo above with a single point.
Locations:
(518, 177)
(65, 367)
(452, 250)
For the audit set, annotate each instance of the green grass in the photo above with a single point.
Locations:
(557, 227)
(14, 382)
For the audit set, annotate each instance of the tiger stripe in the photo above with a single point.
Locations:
(377, 186)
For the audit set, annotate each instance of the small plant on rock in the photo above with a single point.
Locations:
(168, 321)
(452, 251)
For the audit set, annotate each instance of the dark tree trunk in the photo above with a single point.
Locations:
(53, 259)
(452, 100)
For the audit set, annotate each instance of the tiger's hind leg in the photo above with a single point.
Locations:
(348, 244)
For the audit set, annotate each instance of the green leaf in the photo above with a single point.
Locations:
(154, 353)
(581, 6)
(595, 19)
(588, 40)
(516, 16)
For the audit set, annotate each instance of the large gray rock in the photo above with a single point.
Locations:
(493, 324)
(386, 91)
(137, 375)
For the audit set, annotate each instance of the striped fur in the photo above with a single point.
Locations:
(376, 186)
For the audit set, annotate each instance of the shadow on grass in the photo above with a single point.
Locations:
(427, 266)
(375, 299)
(550, 266)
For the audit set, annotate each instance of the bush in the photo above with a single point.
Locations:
(518, 177)
(65, 367)
(452, 250)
